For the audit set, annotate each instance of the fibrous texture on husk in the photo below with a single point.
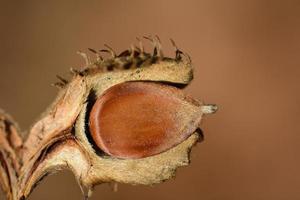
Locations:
(120, 119)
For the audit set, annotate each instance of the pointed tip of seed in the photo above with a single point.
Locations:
(209, 108)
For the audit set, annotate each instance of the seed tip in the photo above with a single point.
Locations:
(209, 108)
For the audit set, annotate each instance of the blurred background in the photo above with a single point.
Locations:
(246, 55)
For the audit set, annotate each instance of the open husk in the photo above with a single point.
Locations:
(61, 139)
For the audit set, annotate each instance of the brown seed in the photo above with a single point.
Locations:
(140, 119)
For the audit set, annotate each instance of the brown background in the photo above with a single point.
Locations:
(247, 59)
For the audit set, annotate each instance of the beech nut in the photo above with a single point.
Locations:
(141, 119)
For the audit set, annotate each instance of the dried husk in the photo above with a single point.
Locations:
(59, 139)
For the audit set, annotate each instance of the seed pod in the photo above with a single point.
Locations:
(141, 119)
(124, 106)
